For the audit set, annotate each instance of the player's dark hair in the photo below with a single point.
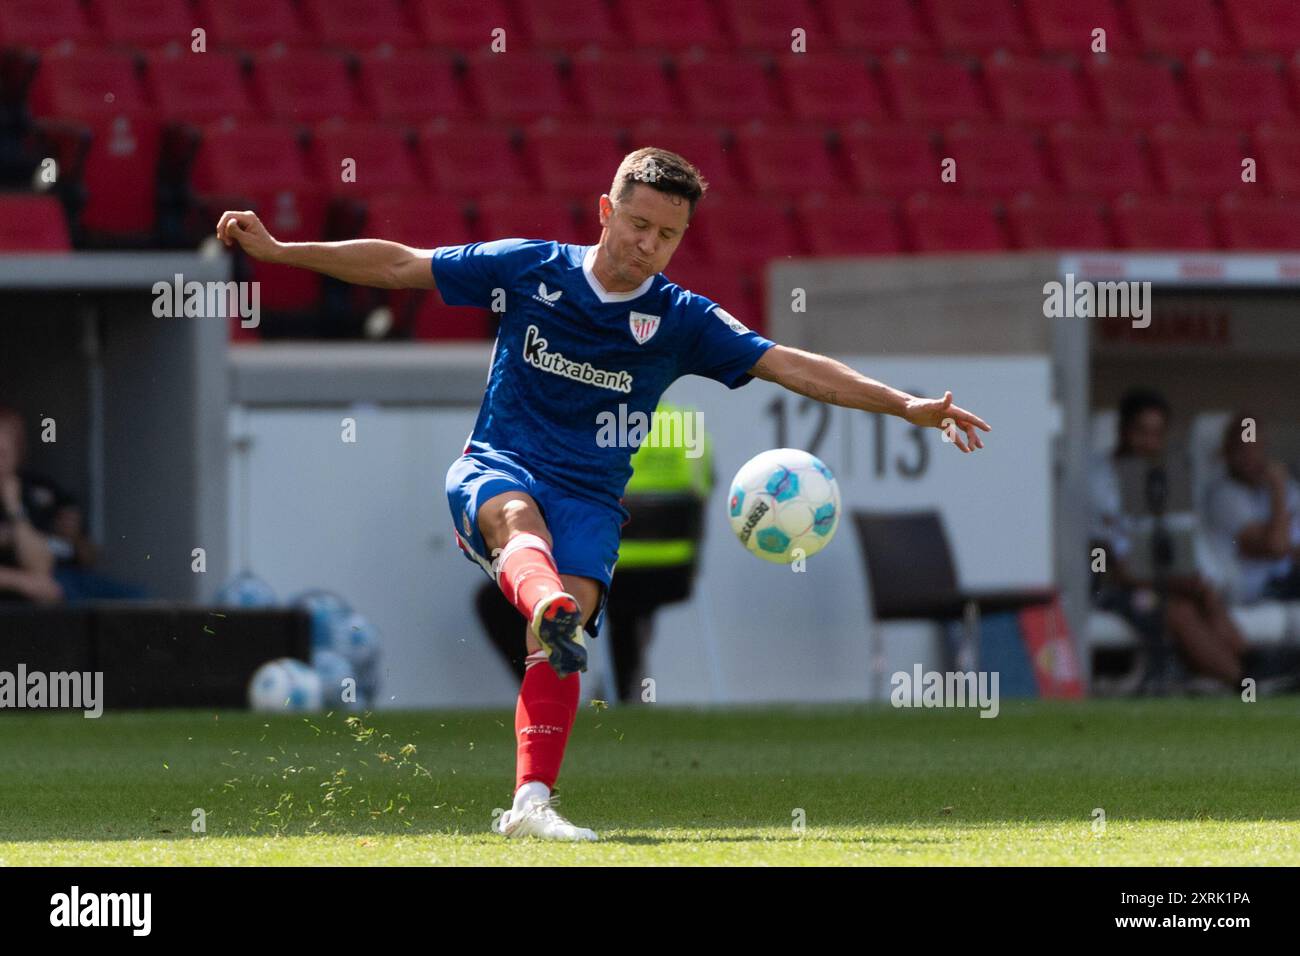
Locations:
(1134, 402)
(659, 169)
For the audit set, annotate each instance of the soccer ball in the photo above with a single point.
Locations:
(784, 505)
(334, 669)
(357, 641)
(246, 590)
(326, 609)
(284, 684)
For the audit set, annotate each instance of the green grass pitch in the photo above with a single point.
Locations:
(1180, 782)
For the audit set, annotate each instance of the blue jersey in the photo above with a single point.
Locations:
(568, 351)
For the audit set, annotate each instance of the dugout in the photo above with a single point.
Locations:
(137, 406)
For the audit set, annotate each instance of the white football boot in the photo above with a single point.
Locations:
(539, 818)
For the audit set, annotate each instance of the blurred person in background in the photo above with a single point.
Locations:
(26, 561)
(1195, 618)
(1254, 513)
(56, 519)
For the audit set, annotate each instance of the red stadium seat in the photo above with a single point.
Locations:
(1134, 92)
(1065, 26)
(1258, 223)
(671, 25)
(439, 322)
(1179, 26)
(1238, 92)
(960, 25)
(1099, 162)
(726, 88)
(877, 26)
(305, 86)
(410, 86)
(1265, 25)
(142, 22)
(261, 166)
(786, 159)
(1026, 90)
(1199, 162)
(250, 24)
(573, 159)
(87, 83)
(465, 25)
(198, 88)
(723, 284)
(422, 222)
(1158, 222)
(933, 91)
(530, 216)
(568, 25)
(340, 24)
(726, 285)
(995, 161)
(1057, 222)
(699, 143)
(100, 90)
(1279, 159)
(769, 24)
(953, 224)
(830, 88)
(894, 161)
(246, 158)
(469, 159)
(32, 224)
(37, 24)
(744, 232)
(840, 225)
(382, 160)
(623, 87)
(519, 86)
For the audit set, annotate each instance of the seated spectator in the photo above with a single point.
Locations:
(1254, 512)
(1195, 617)
(55, 515)
(26, 562)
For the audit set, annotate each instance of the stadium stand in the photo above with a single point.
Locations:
(1139, 146)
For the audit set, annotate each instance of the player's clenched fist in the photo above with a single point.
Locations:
(247, 230)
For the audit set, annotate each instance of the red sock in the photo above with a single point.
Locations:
(526, 573)
(543, 718)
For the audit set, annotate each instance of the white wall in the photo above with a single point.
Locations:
(370, 521)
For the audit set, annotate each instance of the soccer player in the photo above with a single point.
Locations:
(535, 496)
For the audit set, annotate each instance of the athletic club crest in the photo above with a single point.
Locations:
(643, 326)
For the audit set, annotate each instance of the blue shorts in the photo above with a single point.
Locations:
(585, 535)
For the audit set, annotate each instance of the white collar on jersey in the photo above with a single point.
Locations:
(588, 261)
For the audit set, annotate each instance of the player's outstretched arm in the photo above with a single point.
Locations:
(833, 382)
(372, 262)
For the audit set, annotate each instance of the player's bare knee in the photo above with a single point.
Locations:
(500, 520)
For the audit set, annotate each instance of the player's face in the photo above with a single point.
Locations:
(642, 231)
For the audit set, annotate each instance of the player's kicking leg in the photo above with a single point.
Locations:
(516, 534)
(557, 608)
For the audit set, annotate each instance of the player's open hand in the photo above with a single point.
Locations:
(953, 420)
(247, 230)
